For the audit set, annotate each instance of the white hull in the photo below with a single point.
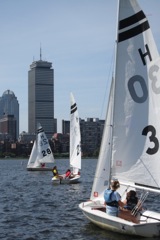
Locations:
(66, 180)
(149, 225)
(75, 179)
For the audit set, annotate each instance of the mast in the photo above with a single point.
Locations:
(40, 53)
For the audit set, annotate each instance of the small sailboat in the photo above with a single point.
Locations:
(41, 152)
(130, 147)
(75, 146)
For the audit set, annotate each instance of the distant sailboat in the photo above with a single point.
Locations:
(75, 145)
(130, 148)
(41, 153)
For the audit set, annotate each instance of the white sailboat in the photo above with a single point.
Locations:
(41, 152)
(130, 146)
(75, 141)
(75, 145)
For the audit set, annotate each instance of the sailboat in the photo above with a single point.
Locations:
(41, 152)
(75, 145)
(130, 148)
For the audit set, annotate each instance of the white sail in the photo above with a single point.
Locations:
(75, 137)
(33, 155)
(130, 147)
(75, 147)
(136, 131)
(41, 151)
(102, 175)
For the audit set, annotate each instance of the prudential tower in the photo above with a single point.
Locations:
(41, 96)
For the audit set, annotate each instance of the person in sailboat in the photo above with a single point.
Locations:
(55, 172)
(68, 173)
(131, 200)
(114, 205)
(42, 165)
(132, 207)
(113, 199)
(132, 204)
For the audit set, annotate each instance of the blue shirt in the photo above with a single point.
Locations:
(111, 209)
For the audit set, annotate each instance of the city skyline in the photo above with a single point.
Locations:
(77, 37)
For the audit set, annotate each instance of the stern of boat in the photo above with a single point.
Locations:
(75, 179)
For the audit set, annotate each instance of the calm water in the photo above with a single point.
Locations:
(33, 208)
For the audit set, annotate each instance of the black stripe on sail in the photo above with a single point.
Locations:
(133, 32)
(131, 20)
(73, 106)
(40, 130)
(73, 110)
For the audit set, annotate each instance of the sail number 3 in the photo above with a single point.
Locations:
(152, 138)
(141, 99)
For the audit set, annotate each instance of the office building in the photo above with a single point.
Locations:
(65, 126)
(41, 97)
(9, 106)
(8, 127)
(91, 133)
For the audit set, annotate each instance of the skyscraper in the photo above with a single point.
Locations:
(41, 97)
(9, 106)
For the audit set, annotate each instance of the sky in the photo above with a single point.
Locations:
(77, 36)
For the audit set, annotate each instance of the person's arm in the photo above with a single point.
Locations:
(121, 204)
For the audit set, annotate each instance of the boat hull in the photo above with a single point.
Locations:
(149, 225)
(66, 180)
(39, 169)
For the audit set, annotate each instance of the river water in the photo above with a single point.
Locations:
(33, 208)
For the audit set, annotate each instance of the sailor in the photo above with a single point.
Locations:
(114, 205)
(55, 172)
(131, 200)
(113, 199)
(68, 173)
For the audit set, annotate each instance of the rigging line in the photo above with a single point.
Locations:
(149, 172)
(140, 203)
(107, 85)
